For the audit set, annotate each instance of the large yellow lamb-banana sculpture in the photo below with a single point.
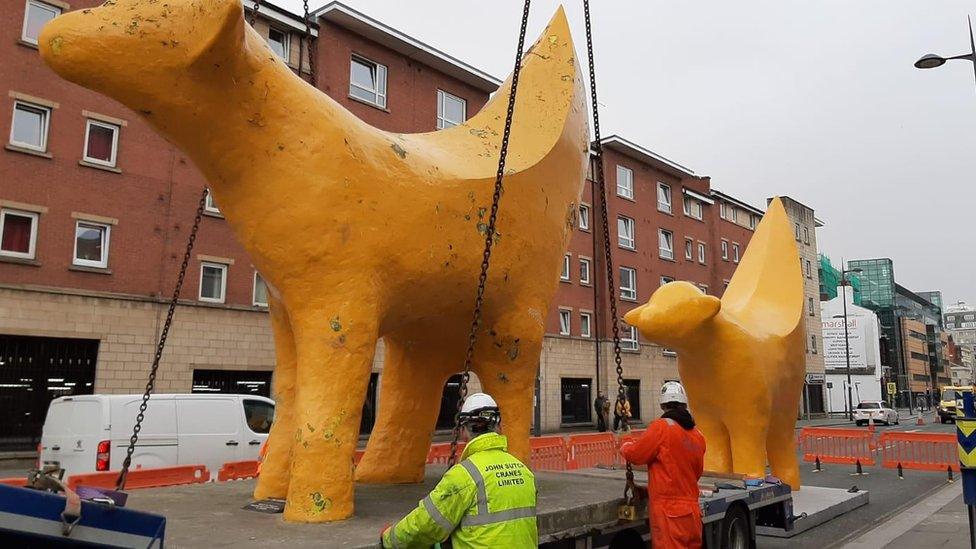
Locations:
(360, 233)
(741, 358)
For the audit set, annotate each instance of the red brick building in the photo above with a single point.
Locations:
(95, 209)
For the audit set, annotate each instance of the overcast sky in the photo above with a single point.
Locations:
(815, 100)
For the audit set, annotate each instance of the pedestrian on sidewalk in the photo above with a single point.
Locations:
(600, 405)
(674, 451)
(620, 411)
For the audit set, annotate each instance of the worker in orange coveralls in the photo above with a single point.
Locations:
(674, 452)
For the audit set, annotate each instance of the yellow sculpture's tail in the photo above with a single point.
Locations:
(766, 292)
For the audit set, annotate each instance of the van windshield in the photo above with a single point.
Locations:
(259, 415)
(950, 394)
(73, 418)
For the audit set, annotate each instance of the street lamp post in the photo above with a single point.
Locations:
(931, 60)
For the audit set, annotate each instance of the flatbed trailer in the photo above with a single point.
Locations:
(575, 509)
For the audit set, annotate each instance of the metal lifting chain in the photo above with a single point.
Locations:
(598, 175)
(489, 237)
(150, 385)
(254, 12)
(309, 42)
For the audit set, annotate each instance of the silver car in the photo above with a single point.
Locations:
(877, 410)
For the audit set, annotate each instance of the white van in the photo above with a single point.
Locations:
(88, 433)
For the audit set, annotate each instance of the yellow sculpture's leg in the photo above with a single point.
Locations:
(781, 450)
(718, 447)
(414, 374)
(748, 440)
(273, 482)
(335, 348)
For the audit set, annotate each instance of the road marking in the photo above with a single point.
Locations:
(896, 526)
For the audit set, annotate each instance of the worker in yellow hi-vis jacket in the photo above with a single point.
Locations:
(486, 500)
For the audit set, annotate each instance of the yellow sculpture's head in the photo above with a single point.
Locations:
(140, 51)
(674, 312)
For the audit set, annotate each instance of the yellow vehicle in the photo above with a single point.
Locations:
(947, 401)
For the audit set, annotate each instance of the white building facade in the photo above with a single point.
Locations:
(863, 331)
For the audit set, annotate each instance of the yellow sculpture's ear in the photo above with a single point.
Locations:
(218, 29)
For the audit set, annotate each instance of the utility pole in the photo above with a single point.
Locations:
(847, 351)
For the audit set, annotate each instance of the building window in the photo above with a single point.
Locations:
(628, 338)
(30, 125)
(564, 276)
(733, 214)
(628, 284)
(797, 231)
(585, 320)
(91, 244)
(279, 41)
(723, 210)
(576, 400)
(625, 182)
(213, 282)
(753, 221)
(701, 253)
(584, 217)
(703, 288)
(692, 208)
(451, 110)
(367, 81)
(18, 233)
(664, 198)
(725, 250)
(813, 343)
(689, 249)
(564, 320)
(735, 253)
(584, 276)
(665, 244)
(809, 269)
(625, 232)
(36, 15)
(260, 297)
(810, 305)
(209, 204)
(666, 280)
(806, 235)
(101, 143)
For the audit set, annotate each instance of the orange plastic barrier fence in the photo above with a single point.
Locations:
(923, 451)
(837, 445)
(238, 470)
(549, 454)
(441, 453)
(15, 481)
(144, 478)
(592, 450)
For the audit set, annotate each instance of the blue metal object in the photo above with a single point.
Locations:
(32, 518)
(966, 437)
(969, 404)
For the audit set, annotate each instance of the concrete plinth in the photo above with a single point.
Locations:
(815, 505)
(210, 515)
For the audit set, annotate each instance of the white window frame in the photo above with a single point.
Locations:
(115, 142)
(32, 246)
(223, 282)
(628, 293)
(565, 321)
(586, 324)
(42, 5)
(813, 344)
(586, 267)
(584, 217)
(702, 253)
(209, 205)
(734, 214)
(809, 269)
(442, 121)
(381, 75)
(703, 288)
(723, 210)
(810, 305)
(254, 290)
(628, 338)
(806, 235)
(666, 280)
(689, 249)
(668, 236)
(626, 237)
(285, 44)
(566, 275)
(627, 175)
(735, 252)
(753, 221)
(44, 131)
(797, 231)
(692, 207)
(664, 198)
(725, 250)
(106, 240)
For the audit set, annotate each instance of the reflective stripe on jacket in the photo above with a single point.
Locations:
(486, 500)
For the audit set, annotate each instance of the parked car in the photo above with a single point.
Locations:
(88, 433)
(878, 410)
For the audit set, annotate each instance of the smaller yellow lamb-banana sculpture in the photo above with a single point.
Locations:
(741, 358)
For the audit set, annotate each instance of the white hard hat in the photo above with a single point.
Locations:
(673, 391)
(478, 401)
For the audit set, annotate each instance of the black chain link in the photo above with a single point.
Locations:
(161, 344)
(309, 49)
(254, 12)
(489, 237)
(599, 180)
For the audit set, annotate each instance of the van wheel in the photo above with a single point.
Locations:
(736, 531)
(858, 423)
